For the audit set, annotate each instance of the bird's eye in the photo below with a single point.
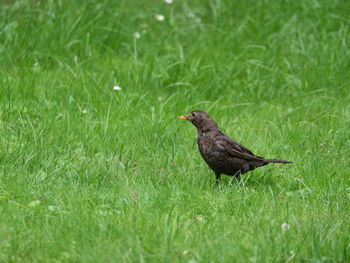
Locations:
(193, 114)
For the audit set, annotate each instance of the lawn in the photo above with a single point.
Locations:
(94, 173)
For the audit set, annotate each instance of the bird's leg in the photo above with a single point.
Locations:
(217, 179)
(238, 177)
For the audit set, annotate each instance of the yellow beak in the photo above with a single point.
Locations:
(183, 117)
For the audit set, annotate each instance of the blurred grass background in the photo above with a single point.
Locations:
(90, 174)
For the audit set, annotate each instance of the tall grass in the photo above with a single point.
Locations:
(90, 174)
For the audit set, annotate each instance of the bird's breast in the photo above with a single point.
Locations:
(206, 147)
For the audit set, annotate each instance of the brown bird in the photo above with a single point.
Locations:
(221, 153)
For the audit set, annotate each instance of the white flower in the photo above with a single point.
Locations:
(117, 88)
(51, 207)
(285, 226)
(160, 17)
(137, 35)
(168, 1)
(84, 111)
(36, 64)
(190, 15)
(200, 218)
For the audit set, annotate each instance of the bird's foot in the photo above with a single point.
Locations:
(217, 180)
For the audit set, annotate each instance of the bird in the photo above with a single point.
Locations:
(223, 154)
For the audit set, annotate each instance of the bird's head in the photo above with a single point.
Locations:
(201, 120)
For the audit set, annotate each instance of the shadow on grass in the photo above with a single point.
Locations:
(253, 179)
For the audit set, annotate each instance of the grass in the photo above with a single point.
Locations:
(124, 182)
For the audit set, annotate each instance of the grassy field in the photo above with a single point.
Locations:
(93, 174)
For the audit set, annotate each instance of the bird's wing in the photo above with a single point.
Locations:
(228, 145)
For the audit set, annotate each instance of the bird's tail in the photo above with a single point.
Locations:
(279, 161)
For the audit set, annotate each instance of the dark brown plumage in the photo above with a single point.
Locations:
(223, 154)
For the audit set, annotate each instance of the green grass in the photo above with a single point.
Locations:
(125, 181)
